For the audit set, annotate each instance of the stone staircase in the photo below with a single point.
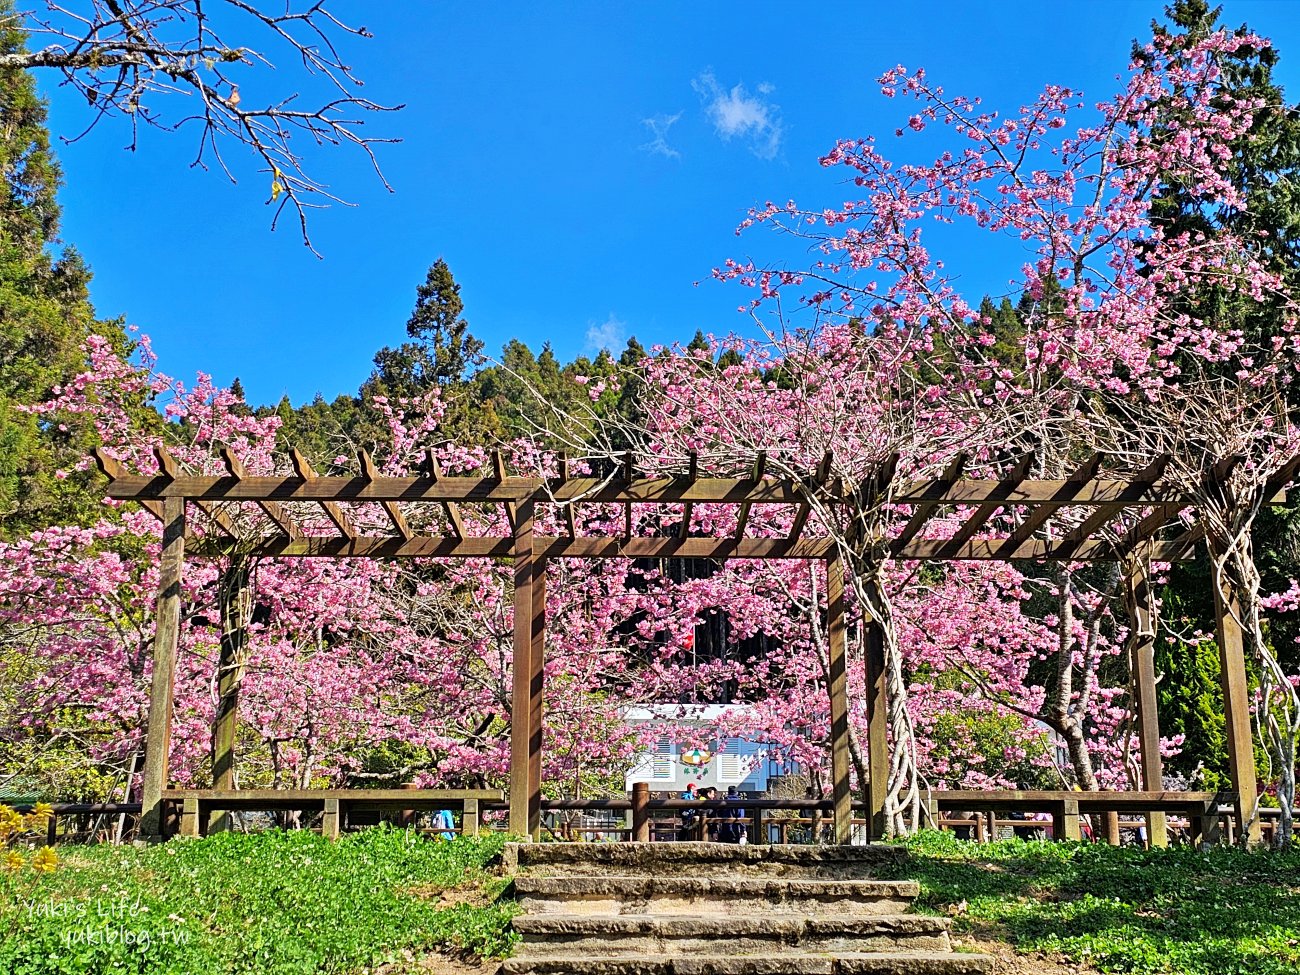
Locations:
(719, 909)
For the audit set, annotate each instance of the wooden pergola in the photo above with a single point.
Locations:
(1147, 503)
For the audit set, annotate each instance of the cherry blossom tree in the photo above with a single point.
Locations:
(872, 356)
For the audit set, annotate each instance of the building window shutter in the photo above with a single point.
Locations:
(661, 768)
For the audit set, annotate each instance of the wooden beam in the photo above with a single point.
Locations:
(1283, 478)
(450, 510)
(1036, 549)
(629, 464)
(925, 509)
(650, 490)
(882, 476)
(167, 620)
(692, 475)
(302, 467)
(1142, 641)
(877, 730)
(234, 597)
(1179, 548)
(985, 511)
(837, 690)
(617, 547)
(756, 476)
(521, 673)
(1109, 493)
(1224, 466)
(273, 509)
(499, 468)
(370, 474)
(172, 469)
(1236, 709)
(570, 509)
(1147, 526)
(488, 490)
(1073, 541)
(1079, 536)
(536, 703)
(805, 506)
(1080, 476)
(428, 547)
(112, 469)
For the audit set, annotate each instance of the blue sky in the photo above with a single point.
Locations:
(581, 167)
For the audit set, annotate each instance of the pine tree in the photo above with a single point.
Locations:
(1264, 165)
(441, 355)
(436, 324)
(45, 312)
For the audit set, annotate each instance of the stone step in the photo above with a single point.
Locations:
(695, 859)
(632, 934)
(869, 963)
(710, 896)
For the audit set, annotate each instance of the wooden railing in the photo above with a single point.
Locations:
(89, 822)
(979, 816)
(1200, 817)
(197, 805)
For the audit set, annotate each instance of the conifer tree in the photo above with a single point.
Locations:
(1265, 168)
(45, 311)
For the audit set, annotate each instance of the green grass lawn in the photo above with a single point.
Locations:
(293, 904)
(272, 904)
(1179, 910)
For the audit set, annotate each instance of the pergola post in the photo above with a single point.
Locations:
(536, 682)
(1142, 646)
(837, 686)
(522, 672)
(877, 739)
(1236, 709)
(233, 595)
(167, 617)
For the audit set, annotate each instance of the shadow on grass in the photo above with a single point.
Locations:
(1217, 912)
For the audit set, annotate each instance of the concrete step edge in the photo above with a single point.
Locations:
(792, 963)
(660, 858)
(765, 926)
(633, 886)
(787, 853)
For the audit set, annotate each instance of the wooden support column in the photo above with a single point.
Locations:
(837, 685)
(536, 699)
(640, 812)
(1065, 821)
(331, 824)
(1112, 828)
(167, 622)
(521, 683)
(1236, 706)
(469, 818)
(190, 817)
(1142, 646)
(877, 728)
(235, 598)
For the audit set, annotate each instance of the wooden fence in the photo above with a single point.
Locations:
(1112, 817)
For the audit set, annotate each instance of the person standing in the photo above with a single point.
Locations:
(690, 817)
(733, 828)
(712, 821)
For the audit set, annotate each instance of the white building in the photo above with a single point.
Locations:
(668, 767)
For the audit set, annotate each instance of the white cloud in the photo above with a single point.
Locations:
(659, 126)
(610, 334)
(735, 113)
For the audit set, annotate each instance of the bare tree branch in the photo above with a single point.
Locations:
(123, 56)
